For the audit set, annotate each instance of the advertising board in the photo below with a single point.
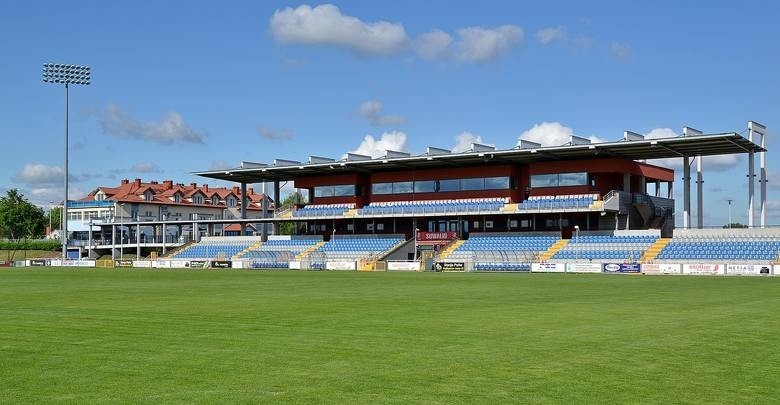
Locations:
(748, 269)
(340, 265)
(704, 269)
(661, 268)
(546, 267)
(36, 262)
(179, 264)
(238, 264)
(123, 263)
(141, 263)
(197, 264)
(583, 267)
(221, 264)
(294, 265)
(163, 264)
(403, 266)
(449, 266)
(622, 267)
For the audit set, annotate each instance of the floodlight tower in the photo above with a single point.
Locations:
(66, 74)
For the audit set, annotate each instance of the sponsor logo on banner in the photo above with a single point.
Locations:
(449, 266)
(661, 268)
(238, 264)
(141, 263)
(583, 267)
(424, 236)
(163, 264)
(698, 269)
(124, 263)
(37, 262)
(197, 264)
(179, 264)
(55, 262)
(221, 264)
(622, 268)
(546, 267)
(747, 269)
(406, 266)
(340, 265)
(294, 265)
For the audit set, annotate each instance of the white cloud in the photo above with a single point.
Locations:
(434, 44)
(547, 35)
(479, 44)
(553, 134)
(33, 174)
(372, 112)
(715, 163)
(146, 167)
(464, 140)
(395, 140)
(620, 50)
(326, 25)
(171, 128)
(274, 134)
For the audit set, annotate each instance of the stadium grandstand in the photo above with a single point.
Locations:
(491, 210)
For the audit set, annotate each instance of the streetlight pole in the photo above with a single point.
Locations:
(66, 74)
(729, 212)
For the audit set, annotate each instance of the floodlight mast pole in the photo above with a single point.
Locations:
(66, 74)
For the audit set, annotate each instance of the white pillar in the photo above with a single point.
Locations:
(760, 130)
(699, 196)
(751, 191)
(686, 192)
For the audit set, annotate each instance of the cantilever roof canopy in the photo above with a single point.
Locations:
(284, 170)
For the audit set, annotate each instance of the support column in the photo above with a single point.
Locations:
(627, 182)
(642, 185)
(263, 225)
(658, 188)
(754, 127)
(164, 236)
(277, 203)
(113, 242)
(751, 191)
(244, 202)
(669, 189)
(699, 196)
(686, 192)
(138, 241)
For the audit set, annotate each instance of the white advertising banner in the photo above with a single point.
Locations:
(403, 266)
(704, 269)
(238, 264)
(178, 264)
(294, 265)
(163, 264)
(86, 263)
(546, 267)
(748, 269)
(142, 263)
(662, 268)
(340, 265)
(583, 267)
(55, 262)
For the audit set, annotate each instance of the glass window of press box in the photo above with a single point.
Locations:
(447, 185)
(559, 179)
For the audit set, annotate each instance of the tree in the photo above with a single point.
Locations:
(288, 228)
(19, 218)
(53, 218)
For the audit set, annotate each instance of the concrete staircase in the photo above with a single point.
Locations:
(351, 213)
(309, 250)
(447, 250)
(560, 244)
(652, 252)
(243, 252)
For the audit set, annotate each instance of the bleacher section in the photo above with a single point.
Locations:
(211, 247)
(362, 247)
(323, 210)
(623, 248)
(741, 246)
(434, 206)
(278, 251)
(558, 202)
(510, 252)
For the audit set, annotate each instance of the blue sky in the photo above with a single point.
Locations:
(185, 86)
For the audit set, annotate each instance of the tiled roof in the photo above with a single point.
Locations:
(163, 194)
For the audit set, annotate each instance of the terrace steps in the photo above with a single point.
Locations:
(351, 213)
(252, 247)
(309, 250)
(511, 207)
(447, 250)
(560, 244)
(652, 252)
(597, 205)
(172, 252)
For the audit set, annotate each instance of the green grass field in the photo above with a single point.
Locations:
(302, 337)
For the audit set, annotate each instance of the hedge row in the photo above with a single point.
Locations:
(52, 245)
